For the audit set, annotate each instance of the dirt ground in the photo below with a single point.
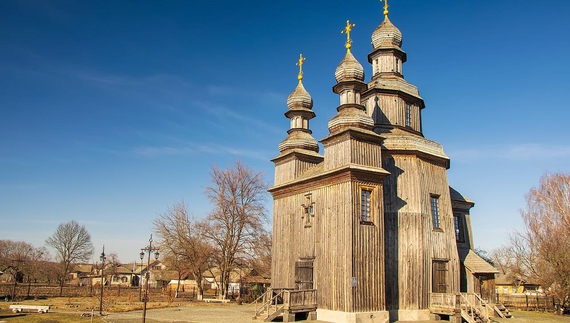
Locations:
(233, 313)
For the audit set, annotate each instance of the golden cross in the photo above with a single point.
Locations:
(300, 64)
(346, 31)
(385, 7)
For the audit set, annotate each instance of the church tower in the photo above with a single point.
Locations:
(421, 252)
(299, 151)
(366, 232)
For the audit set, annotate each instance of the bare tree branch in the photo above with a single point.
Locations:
(72, 243)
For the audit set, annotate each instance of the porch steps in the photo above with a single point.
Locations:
(502, 311)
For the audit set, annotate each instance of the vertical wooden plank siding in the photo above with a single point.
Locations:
(391, 110)
(410, 233)
(368, 244)
(288, 170)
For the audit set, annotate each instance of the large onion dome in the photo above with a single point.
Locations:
(386, 35)
(349, 69)
(300, 98)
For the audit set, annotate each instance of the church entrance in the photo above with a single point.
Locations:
(304, 274)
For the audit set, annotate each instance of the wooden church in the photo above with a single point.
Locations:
(370, 230)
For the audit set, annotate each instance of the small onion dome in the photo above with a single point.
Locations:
(386, 35)
(349, 69)
(299, 140)
(300, 98)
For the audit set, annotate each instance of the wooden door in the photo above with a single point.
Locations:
(439, 276)
(304, 274)
(487, 287)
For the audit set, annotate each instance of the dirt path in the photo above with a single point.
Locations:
(233, 313)
(205, 313)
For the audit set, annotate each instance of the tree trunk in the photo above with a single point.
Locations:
(14, 290)
(200, 295)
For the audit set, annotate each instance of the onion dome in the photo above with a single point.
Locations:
(386, 35)
(349, 69)
(300, 98)
(299, 140)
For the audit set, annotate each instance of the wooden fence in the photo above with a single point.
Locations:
(45, 291)
(532, 302)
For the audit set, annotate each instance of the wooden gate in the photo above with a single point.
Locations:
(304, 274)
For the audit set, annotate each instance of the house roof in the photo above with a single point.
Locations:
(475, 263)
(83, 268)
(511, 280)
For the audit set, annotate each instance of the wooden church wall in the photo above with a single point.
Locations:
(287, 171)
(411, 241)
(343, 247)
(391, 109)
(333, 264)
(368, 250)
(442, 242)
(402, 227)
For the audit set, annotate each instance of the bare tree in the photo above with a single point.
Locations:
(503, 260)
(541, 252)
(72, 243)
(32, 267)
(261, 261)
(183, 243)
(15, 258)
(238, 196)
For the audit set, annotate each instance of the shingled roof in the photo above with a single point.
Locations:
(475, 263)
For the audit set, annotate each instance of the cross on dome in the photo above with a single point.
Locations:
(346, 31)
(385, 7)
(300, 64)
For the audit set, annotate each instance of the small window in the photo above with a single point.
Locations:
(435, 211)
(365, 204)
(397, 65)
(408, 115)
(459, 228)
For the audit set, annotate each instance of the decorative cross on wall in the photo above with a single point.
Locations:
(309, 209)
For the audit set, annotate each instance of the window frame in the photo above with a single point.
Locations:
(408, 121)
(459, 227)
(435, 214)
(369, 217)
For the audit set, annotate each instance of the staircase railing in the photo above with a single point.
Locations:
(270, 301)
(473, 308)
(483, 307)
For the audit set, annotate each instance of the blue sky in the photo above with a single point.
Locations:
(111, 111)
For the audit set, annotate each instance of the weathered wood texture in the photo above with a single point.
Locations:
(289, 167)
(342, 248)
(412, 243)
(391, 110)
(352, 147)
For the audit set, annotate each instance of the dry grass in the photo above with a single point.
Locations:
(532, 317)
(70, 309)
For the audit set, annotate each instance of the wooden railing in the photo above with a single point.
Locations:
(444, 300)
(279, 300)
(300, 299)
(470, 305)
(270, 302)
(444, 303)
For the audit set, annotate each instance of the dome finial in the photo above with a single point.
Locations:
(346, 31)
(300, 64)
(385, 8)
